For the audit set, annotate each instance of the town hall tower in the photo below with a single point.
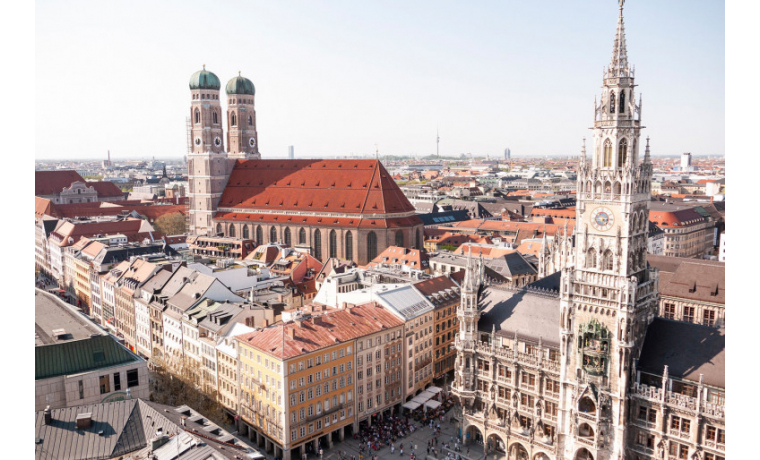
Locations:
(608, 295)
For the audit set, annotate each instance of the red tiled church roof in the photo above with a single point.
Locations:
(342, 222)
(105, 189)
(53, 182)
(343, 186)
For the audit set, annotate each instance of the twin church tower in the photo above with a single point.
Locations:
(209, 164)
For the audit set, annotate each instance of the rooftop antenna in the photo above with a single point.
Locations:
(377, 152)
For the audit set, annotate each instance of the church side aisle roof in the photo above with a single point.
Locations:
(319, 186)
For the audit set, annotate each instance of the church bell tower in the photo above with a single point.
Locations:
(242, 138)
(608, 294)
(208, 168)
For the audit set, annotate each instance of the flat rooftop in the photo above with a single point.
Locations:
(52, 314)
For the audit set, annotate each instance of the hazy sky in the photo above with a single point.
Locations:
(336, 77)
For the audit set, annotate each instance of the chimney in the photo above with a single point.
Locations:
(291, 332)
(84, 420)
(47, 415)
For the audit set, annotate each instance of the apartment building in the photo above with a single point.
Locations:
(691, 290)
(444, 294)
(297, 379)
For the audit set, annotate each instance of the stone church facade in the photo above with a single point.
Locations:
(350, 209)
(575, 365)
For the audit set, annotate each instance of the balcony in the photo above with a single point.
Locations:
(713, 410)
(647, 392)
(587, 416)
(683, 401)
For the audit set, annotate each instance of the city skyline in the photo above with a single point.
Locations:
(391, 86)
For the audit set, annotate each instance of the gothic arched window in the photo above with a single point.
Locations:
(622, 102)
(371, 245)
(259, 235)
(197, 116)
(318, 244)
(333, 244)
(612, 102)
(218, 228)
(591, 258)
(302, 236)
(618, 188)
(246, 232)
(607, 153)
(216, 118)
(232, 231)
(287, 238)
(273, 235)
(400, 239)
(608, 260)
(622, 152)
(349, 246)
(233, 119)
(250, 120)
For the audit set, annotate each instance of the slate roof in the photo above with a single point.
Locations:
(705, 352)
(693, 279)
(343, 186)
(434, 218)
(531, 315)
(77, 356)
(511, 264)
(127, 427)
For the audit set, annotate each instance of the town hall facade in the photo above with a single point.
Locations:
(576, 365)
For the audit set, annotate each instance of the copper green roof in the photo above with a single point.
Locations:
(240, 85)
(76, 356)
(203, 79)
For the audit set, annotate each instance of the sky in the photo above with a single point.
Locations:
(339, 78)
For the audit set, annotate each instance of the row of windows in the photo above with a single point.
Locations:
(319, 360)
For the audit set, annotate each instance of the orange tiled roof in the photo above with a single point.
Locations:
(344, 186)
(679, 218)
(105, 189)
(320, 331)
(414, 258)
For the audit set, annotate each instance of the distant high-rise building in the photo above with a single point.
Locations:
(686, 161)
(507, 154)
(291, 153)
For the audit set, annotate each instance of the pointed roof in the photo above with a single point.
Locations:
(340, 186)
(619, 64)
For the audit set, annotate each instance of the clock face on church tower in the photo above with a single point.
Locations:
(252, 142)
(602, 219)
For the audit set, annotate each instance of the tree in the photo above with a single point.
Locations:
(171, 224)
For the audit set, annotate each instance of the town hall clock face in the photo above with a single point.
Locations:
(602, 219)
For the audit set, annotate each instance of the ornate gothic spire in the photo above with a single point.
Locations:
(619, 64)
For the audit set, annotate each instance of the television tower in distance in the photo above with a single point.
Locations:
(437, 141)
